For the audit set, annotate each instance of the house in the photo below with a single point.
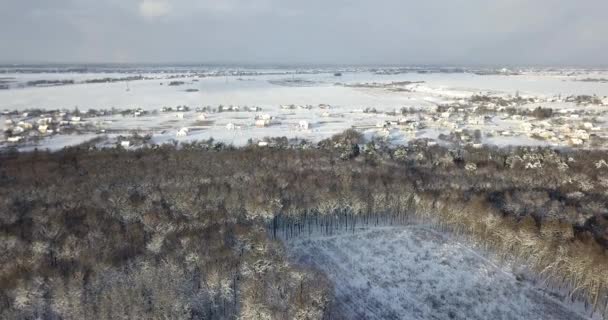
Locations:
(403, 120)
(25, 125)
(576, 142)
(260, 123)
(262, 144)
(304, 125)
(179, 115)
(125, 144)
(43, 121)
(182, 132)
(17, 130)
(230, 126)
(14, 139)
(581, 134)
(43, 128)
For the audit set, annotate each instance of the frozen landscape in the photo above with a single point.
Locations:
(407, 272)
(413, 272)
(44, 107)
(304, 160)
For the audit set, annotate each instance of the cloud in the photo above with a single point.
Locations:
(154, 8)
(312, 31)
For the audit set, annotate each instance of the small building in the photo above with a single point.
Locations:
(17, 130)
(303, 125)
(25, 125)
(43, 121)
(260, 123)
(576, 142)
(182, 132)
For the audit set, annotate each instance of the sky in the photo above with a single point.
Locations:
(446, 32)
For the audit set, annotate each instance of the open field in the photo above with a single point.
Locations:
(415, 273)
(393, 105)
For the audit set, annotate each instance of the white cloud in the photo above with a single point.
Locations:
(154, 8)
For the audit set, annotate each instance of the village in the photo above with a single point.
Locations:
(571, 121)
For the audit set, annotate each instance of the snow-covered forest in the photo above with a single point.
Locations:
(207, 231)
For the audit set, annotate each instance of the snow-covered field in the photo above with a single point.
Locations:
(347, 97)
(414, 272)
(257, 90)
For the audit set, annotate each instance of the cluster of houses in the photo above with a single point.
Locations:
(19, 127)
(259, 120)
(573, 133)
(464, 121)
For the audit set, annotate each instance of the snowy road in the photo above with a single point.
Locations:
(416, 273)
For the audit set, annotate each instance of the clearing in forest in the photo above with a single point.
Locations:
(417, 273)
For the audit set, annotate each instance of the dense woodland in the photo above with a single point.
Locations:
(191, 232)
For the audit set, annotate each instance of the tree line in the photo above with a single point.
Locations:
(192, 232)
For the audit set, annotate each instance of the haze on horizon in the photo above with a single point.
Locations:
(467, 32)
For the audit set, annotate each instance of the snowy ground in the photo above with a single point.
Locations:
(416, 273)
(270, 89)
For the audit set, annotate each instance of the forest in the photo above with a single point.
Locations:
(193, 231)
